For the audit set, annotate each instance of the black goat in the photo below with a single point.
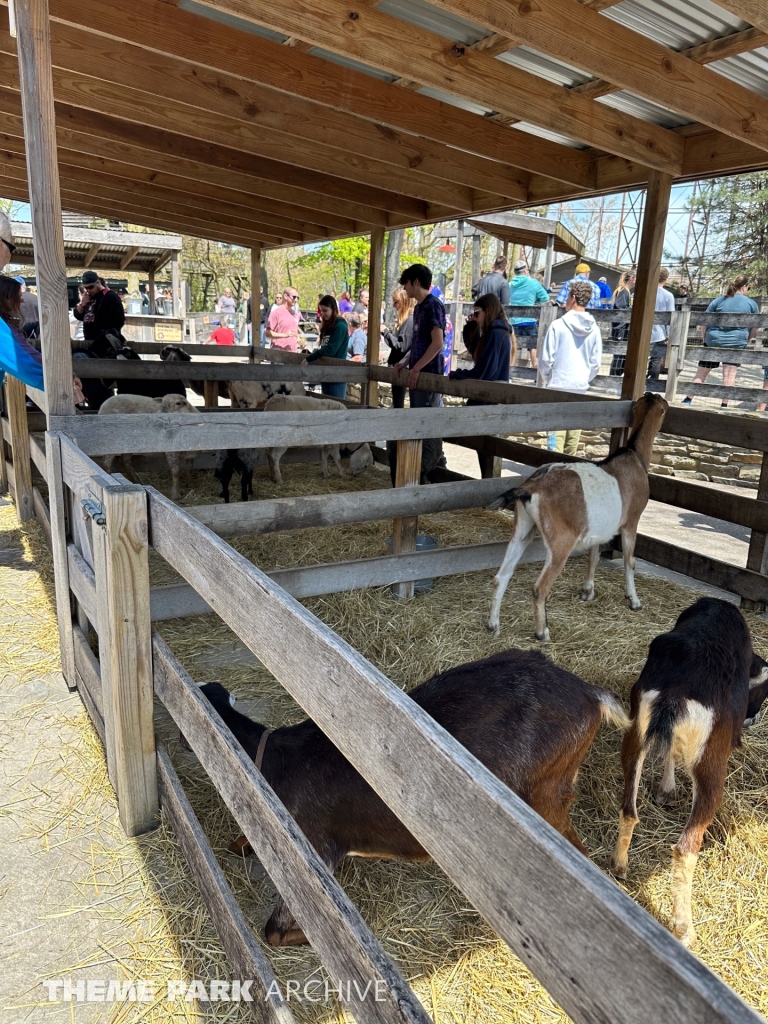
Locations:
(528, 721)
(150, 388)
(701, 684)
(236, 460)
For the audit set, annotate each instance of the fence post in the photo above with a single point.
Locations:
(121, 566)
(3, 465)
(679, 324)
(404, 530)
(22, 463)
(60, 564)
(547, 315)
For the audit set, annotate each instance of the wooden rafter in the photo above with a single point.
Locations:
(92, 253)
(206, 43)
(378, 39)
(129, 256)
(627, 59)
(704, 53)
(754, 12)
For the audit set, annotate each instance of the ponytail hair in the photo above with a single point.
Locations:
(735, 285)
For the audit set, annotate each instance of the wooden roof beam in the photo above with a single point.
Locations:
(627, 59)
(130, 256)
(129, 66)
(704, 53)
(754, 12)
(375, 38)
(91, 255)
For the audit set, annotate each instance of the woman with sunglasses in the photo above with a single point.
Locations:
(17, 356)
(493, 350)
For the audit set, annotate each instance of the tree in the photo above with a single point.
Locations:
(395, 239)
(736, 209)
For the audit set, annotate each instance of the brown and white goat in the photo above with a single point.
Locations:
(578, 507)
(528, 721)
(701, 684)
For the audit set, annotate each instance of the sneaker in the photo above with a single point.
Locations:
(686, 401)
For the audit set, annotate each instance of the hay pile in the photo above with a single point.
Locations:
(456, 964)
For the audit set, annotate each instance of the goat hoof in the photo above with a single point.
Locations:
(686, 933)
(619, 870)
(635, 605)
(544, 637)
(494, 630)
(663, 798)
(588, 595)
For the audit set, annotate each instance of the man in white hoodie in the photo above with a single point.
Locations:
(571, 355)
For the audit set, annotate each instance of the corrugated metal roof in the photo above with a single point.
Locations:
(748, 69)
(445, 97)
(543, 133)
(676, 23)
(545, 67)
(231, 20)
(433, 19)
(644, 109)
(354, 65)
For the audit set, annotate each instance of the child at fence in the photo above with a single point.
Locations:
(735, 300)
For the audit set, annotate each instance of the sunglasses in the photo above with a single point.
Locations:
(9, 245)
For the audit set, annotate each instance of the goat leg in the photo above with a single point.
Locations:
(628, 538)
(632, 757)
(588, 588)
(282, 929)
(521, 538)
(274, 455)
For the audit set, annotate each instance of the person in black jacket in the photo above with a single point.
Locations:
(493, 351)
(101, 311)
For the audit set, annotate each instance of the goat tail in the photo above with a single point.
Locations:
(612, 710)
(509, 498)
(661, 727)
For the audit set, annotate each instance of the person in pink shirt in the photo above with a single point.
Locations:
(283, 322)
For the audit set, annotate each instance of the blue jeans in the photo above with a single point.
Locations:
(334, 391)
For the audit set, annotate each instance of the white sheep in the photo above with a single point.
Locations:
(254, 394)
(361, 457)
(141, 403)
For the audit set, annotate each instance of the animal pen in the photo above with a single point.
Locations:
(88, 137)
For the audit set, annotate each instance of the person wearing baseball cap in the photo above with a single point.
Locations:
(583, 270)
(100, 311)
(526, 291)
(494, 283)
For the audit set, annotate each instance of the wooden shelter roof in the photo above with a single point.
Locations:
(297, 121)
(522, 229)
(102, 248)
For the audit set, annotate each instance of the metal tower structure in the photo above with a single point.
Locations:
(630, 228)
(700, 204)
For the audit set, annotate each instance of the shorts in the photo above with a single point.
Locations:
(528, 331)
(713, 366)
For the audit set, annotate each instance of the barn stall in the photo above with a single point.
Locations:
(569, 924)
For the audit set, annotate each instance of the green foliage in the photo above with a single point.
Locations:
(734, 214)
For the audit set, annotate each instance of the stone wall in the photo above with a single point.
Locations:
(678, 456)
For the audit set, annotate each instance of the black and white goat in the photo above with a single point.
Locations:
(702, 683)
(528, 721)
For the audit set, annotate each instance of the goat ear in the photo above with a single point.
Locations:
(232, 700)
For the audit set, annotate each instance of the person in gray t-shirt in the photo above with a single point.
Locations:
(494, 283)
(665, 303)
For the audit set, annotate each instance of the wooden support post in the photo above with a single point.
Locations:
(375, 294)
(404, 530)
(475, 257)
(757, 557)
(255, 297)
(121, 566)
(3, 465)
(34, 53)
(679, 325)
(57, 508)
(547, 315)
(22, 463)
(151, 290)
(549, 261)
(176, 285)
(210, 393)
(457, 317)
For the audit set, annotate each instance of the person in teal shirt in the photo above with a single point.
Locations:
(525, 290)
(334, 341)
(17, 356)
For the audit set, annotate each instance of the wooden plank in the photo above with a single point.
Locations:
(82, 583)
(646, 287)
(42, 514)
(277, 514)
(757, 557)
(19, 441)
(404, 528)
(233, 352)
(37, 454)
(376, 293)
(35, 77)
(89, 682)
(633, 61)
(467, 74)
(741, 431)
(550, 908)
(678, 340)
(11, 480)
(121, 569)
(210, 394)
(243, 951)
(153, 432)
(749, 585)
(751, 11)
(333, 926)
(129, 256)
(179, 600)
(122, 369)
(81, 474)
